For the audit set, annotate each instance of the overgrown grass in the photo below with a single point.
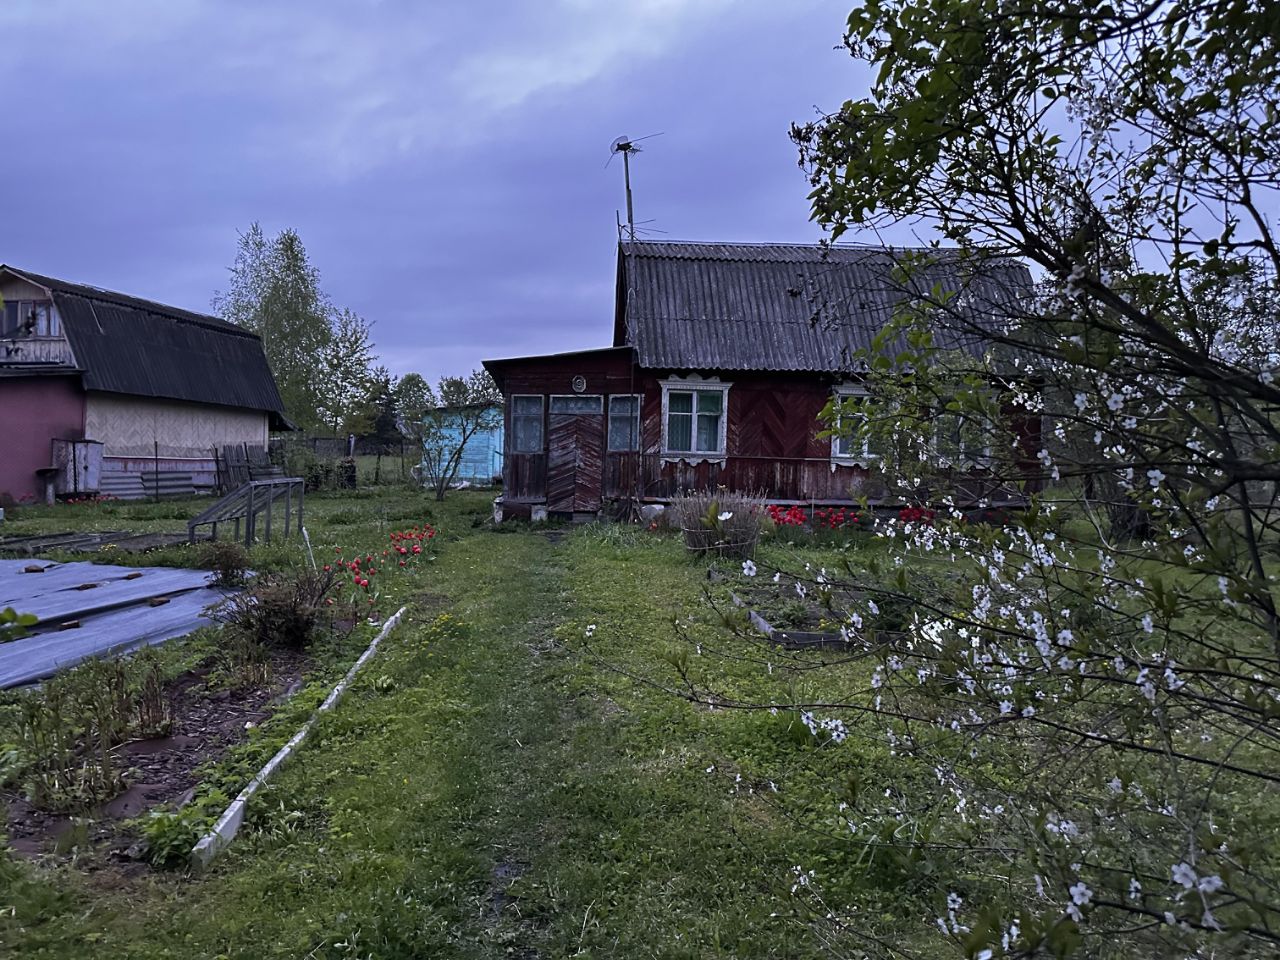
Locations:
(499, 783)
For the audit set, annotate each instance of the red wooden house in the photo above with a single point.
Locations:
(723, 356)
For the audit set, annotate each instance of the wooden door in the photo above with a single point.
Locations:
(575, 454)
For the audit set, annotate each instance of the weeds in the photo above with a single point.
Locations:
(154, 707)
(170, 835)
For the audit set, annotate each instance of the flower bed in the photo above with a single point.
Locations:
(820, 518)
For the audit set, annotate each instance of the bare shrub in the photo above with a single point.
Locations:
(721, 522)
(228, 560)
(280, 610)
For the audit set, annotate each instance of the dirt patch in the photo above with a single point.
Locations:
(157, 771)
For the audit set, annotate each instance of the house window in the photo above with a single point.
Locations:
(694, 417)
(577, 403)
(30, 318)
(849, 441)
(526, 424)
(624, 423)
(962, 439)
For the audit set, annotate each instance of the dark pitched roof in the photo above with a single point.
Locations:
(127, 345)
(785, 307)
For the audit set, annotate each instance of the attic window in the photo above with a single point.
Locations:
(30, 318)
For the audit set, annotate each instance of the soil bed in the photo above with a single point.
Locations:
(207, 721)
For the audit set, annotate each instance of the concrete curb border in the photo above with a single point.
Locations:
(224, 831)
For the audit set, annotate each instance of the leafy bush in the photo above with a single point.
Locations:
(228, 559)
(170, 836)
(281, 610)
(719, 522)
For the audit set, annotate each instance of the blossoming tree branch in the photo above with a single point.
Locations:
(1080, 690)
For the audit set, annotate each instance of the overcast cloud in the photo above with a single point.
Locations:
(444, 162)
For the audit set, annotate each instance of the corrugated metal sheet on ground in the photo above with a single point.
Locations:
(114, 617)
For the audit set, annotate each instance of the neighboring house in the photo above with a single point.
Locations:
(99, 390)
(723, 356)
(481, 459)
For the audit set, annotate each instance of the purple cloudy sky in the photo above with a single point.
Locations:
(443, 161)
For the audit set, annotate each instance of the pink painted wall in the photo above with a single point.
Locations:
(33, 411)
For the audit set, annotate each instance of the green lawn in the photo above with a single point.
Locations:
(502, 782)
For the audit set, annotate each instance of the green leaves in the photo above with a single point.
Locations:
(13, 625)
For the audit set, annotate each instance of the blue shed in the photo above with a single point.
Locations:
(482, 456)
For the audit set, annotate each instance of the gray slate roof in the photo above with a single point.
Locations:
(127, 345)
(786, 307)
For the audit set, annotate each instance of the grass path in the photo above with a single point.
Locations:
(482, 792)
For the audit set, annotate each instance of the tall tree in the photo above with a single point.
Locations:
(345, 373)
(413, 397)
(382, 415)
(275, 292)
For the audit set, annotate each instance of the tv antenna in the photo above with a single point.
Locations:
(626, 146)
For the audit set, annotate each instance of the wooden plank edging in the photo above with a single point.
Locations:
(228, 825)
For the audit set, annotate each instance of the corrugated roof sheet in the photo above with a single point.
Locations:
(788, 307)
(128, 345)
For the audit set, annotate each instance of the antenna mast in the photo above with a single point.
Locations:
(626, 146)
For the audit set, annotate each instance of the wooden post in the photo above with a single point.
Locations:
(248, 520)
(301, 496)
(271, 501)
(288, 504)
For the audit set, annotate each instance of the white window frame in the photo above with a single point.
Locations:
(608, 424)
(696, 384)
(542, 422)
(859, 458)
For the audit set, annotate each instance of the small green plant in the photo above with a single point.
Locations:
(246, 659)
(153, 706)
(13, 625)
(384, 684)
(170, 836)
(228, 560)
